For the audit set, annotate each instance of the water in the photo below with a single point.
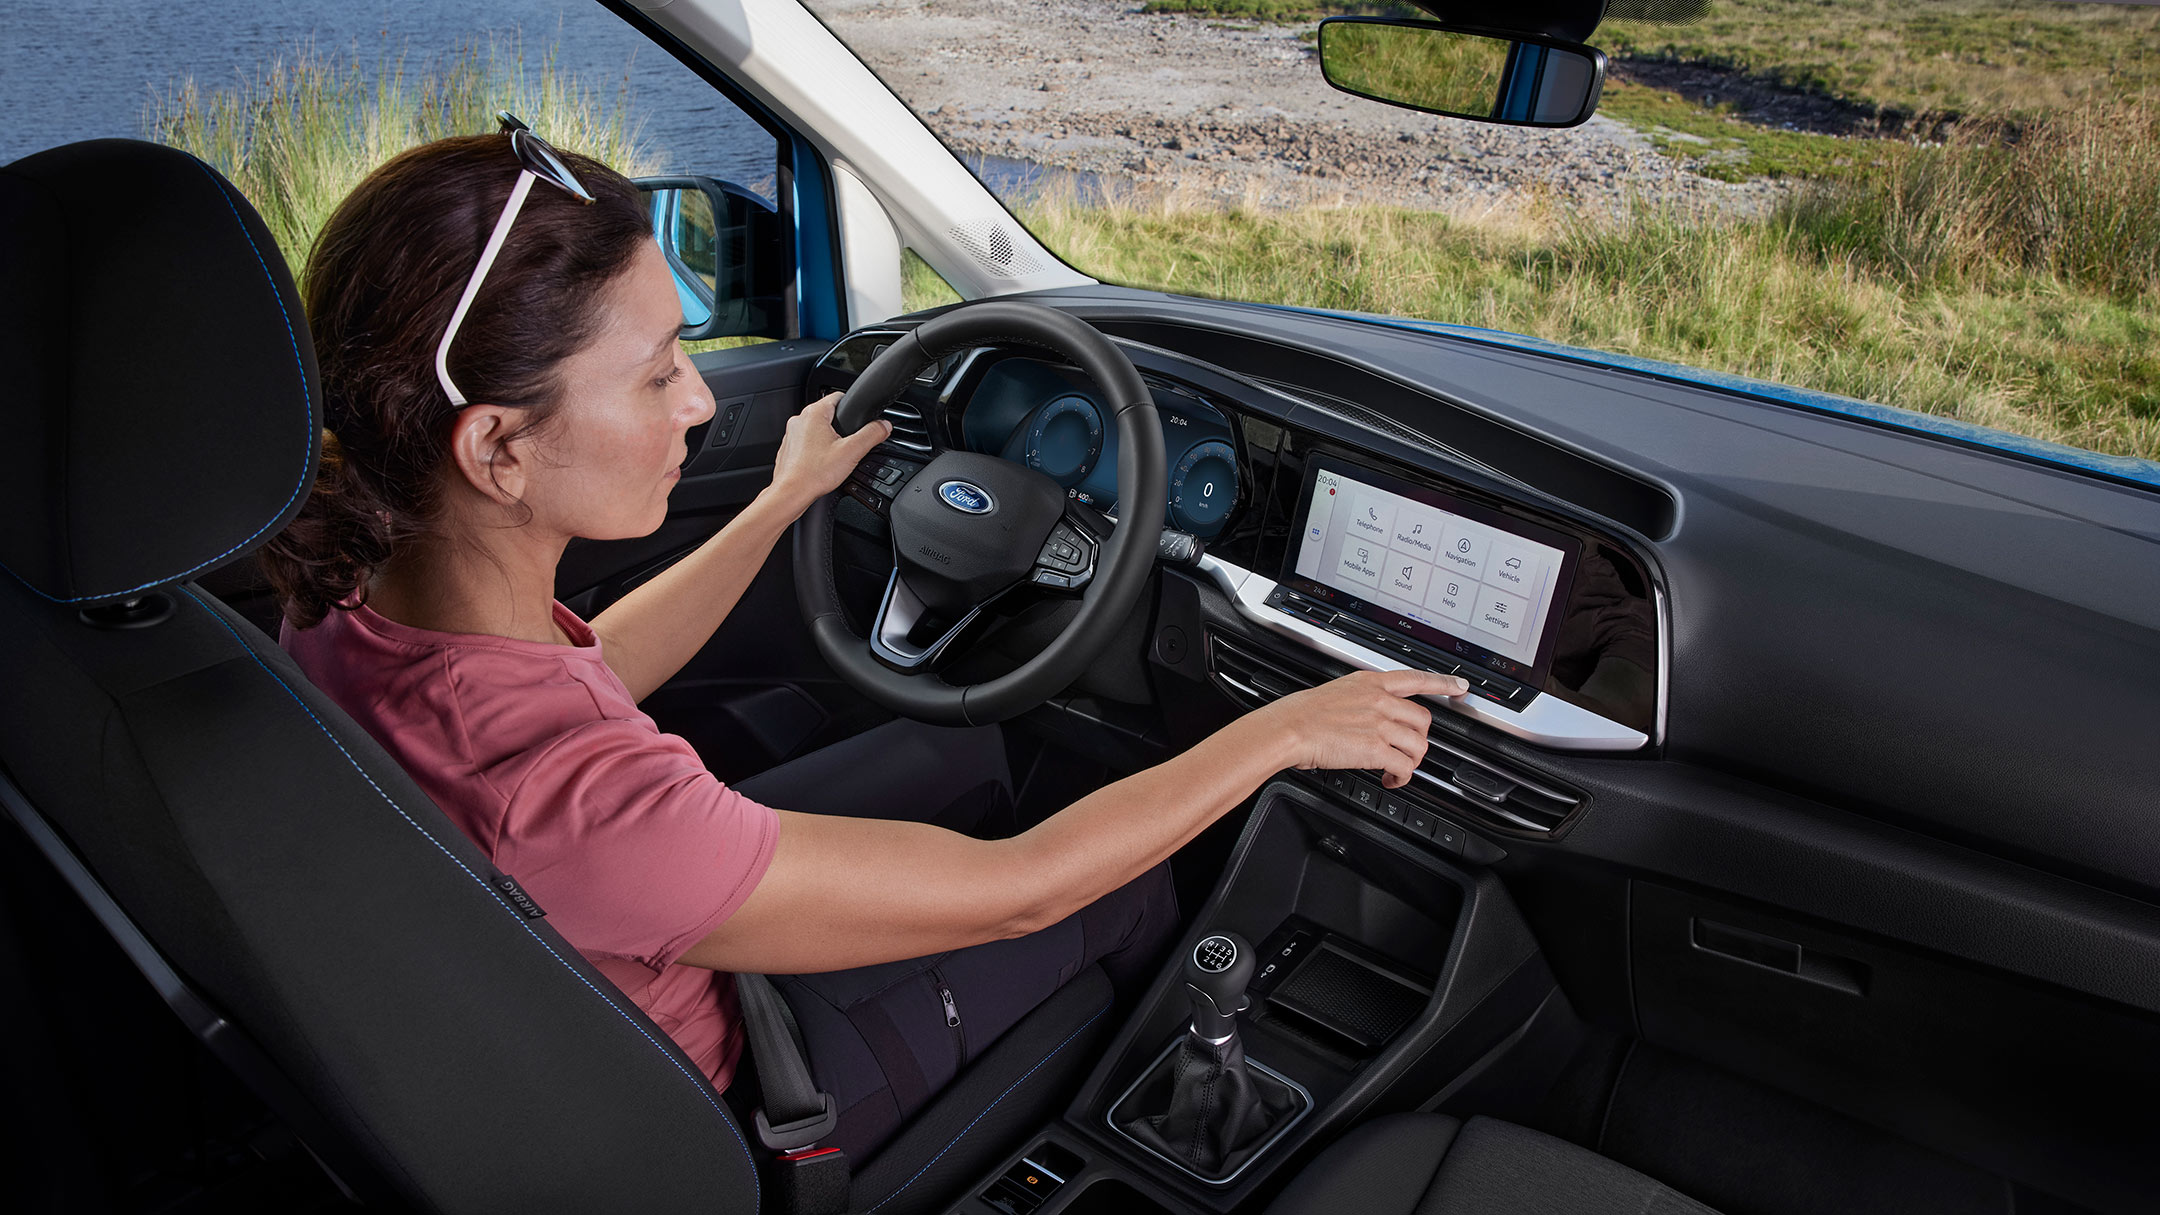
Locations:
(86, 69)
(1015, 181)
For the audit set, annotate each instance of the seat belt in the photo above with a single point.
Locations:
(793, 1115)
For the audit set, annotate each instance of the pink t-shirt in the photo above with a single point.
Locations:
(537, 753)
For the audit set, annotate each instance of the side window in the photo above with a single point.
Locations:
(296, 102)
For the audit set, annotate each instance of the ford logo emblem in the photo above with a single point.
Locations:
(962, 496)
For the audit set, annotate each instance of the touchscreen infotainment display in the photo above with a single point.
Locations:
(1467, 580)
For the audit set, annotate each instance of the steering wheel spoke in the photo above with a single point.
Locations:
(907, 635)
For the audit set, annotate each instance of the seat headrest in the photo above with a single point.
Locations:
(161, 414)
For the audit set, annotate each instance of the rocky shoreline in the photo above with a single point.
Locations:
(1220, 112)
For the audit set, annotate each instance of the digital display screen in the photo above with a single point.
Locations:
(1461, 578)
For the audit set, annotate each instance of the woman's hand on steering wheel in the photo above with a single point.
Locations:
(1364, 720)
(815, 459)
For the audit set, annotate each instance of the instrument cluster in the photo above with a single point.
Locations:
(1050, 419)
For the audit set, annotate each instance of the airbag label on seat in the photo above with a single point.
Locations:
(515, 895)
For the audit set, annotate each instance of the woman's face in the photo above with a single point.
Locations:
(603, 468)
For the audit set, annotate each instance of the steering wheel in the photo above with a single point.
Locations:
(971, 527)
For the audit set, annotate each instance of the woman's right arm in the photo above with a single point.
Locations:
(845, 892)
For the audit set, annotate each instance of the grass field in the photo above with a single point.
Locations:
(1803, 299)
(2010, 276)
(298, 137)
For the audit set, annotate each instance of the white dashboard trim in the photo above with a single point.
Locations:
(1546, 721)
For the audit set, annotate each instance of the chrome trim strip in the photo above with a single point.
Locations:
(1547, 721)
(1664, 660)
(1304, 1094)
(898, 613)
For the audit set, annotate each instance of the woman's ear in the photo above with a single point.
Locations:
(482, 447)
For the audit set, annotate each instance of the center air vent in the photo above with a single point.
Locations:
(1494, 791)
(1250, 679)
(1467, 782)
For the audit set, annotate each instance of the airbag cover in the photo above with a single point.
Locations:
(970, 525)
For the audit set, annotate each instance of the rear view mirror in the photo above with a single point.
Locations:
(729, 254)
(1462, 74)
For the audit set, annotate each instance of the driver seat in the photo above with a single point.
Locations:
(288, 890)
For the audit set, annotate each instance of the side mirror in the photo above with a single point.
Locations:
(1420, 65)
(730, 253)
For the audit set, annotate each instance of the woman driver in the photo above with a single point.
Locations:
(418, 590)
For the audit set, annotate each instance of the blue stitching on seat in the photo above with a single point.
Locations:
(307, 394)
(703, 1084)
(986, 1109)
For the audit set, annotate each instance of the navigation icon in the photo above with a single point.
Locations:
(1463, 545)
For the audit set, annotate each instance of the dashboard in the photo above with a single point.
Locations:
(1363, 551)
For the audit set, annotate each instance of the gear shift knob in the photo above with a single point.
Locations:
(1216, 974)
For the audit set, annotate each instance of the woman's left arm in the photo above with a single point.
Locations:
(648, 634)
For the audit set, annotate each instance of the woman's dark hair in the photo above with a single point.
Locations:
(383, 277)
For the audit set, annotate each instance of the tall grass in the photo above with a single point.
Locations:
(2012, 285)
(2073, 194)
(298, 136)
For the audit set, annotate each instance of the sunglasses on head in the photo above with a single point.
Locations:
(536, 162)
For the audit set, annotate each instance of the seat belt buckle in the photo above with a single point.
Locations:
(791, 1137)
(810, 1181)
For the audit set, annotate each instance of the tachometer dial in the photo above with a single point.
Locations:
(1203, 487)
(1066, 439)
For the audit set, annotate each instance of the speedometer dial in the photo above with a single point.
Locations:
(1203, 487)
(1066, 439)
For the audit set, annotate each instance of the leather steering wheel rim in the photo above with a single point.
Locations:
(1126, 558)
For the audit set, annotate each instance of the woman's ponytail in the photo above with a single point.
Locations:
(343, 533)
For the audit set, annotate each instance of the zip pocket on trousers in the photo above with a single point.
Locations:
(952, 1018)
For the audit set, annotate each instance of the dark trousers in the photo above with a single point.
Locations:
(885, 1039)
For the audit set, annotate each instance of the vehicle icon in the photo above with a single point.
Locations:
(1513, 563)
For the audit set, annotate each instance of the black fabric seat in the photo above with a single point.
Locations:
(286, 887)
(1431, 1164)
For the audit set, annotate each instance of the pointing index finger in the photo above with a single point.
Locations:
(1408, 682)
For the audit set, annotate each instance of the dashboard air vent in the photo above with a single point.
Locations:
(1248, 678)
(909, 431)
(1494, 791)
(1470, 783)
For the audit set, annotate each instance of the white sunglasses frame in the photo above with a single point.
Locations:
(529, 147)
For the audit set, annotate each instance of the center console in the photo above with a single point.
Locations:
(1337, 972)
